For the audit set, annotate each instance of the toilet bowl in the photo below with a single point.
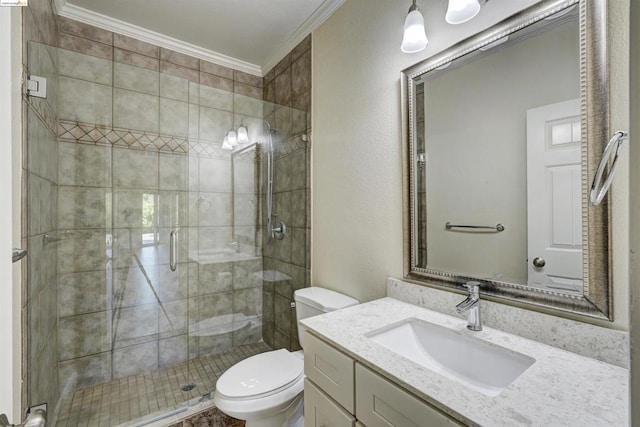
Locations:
(266, 390)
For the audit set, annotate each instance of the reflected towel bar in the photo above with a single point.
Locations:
(498, 227)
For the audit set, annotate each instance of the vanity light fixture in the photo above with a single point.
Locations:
(225, 143)
(415, 38)
(243, 133)
(461, 11)
(232, 138)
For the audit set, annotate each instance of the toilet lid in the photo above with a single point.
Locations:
(262, 374)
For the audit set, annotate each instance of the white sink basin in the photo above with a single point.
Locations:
(481, 366)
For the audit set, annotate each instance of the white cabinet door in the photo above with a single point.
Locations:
(379, 403)
(331, 370)
(321, 411)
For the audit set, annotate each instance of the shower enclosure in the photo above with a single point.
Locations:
(154, 257)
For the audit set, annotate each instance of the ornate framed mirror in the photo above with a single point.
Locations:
(502, 134)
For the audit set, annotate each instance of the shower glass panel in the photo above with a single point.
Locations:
(123, 147)
(149, 274)
(40, 233)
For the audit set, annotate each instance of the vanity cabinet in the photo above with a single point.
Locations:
(321, 410)
(380, 403)
(340, 392)
(331, 370)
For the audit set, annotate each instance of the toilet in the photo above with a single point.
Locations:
(266, 390)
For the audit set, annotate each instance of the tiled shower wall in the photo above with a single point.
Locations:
(137, 120)
(288, 84)
(39, 204)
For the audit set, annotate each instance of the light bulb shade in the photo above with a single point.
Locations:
(232, 138)
(460, 11)
(415, 38)
(225, 144)
(243, 134)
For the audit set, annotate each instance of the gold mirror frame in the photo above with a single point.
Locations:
(596, 300)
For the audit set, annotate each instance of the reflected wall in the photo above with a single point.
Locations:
(475, 150)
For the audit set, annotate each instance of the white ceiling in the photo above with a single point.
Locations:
(254, 32)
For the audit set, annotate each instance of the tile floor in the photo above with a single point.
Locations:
(210, 418)
(134, 398)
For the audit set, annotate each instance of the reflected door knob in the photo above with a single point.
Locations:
(539, 262)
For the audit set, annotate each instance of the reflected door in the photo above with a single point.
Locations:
(554, 196)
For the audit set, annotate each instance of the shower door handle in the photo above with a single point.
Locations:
(37, 418)
(18, 254)
(173, 254)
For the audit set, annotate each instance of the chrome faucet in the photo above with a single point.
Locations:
(472, 306)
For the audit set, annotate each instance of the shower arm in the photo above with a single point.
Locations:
(269, 186)
(280, 230)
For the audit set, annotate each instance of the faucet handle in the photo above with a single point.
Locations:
(473, 287)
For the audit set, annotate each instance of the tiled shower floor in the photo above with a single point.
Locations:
(145, 395)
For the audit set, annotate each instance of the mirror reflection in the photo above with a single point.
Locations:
(498, 155)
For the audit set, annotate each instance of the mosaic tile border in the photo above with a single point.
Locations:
(71, 131)
(291, 145)
(250, 155)
(44, 111)
(207, 149)
(94, 134)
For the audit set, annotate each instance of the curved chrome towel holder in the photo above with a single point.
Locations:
(598, 187)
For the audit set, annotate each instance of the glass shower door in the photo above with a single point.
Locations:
(225, 252)
(123, 188)
(150, 239)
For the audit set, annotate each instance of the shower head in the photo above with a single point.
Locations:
(268, 128)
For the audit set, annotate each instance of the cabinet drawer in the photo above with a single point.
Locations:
(321, 411)
(379, 403)
(331, 370)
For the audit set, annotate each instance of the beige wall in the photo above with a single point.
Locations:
(10, 128)
(357, 165)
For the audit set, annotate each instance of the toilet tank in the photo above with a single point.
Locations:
(315, 300)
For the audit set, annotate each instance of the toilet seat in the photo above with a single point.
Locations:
(261, 375)
(261, 385)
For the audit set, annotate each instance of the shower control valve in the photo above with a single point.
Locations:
(280, 230)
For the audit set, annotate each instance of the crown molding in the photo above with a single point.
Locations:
(321, 14)
(117, 26)
(59, 4)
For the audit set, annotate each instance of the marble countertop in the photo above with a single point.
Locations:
(559, 389)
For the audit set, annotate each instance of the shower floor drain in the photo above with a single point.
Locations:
(188, 387)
